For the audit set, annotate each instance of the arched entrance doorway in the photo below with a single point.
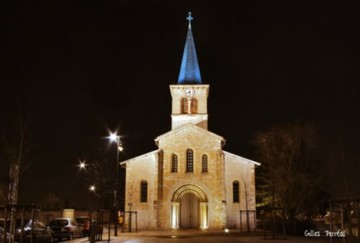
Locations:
(189, 208)
(189, 211)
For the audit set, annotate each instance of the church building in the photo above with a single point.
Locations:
(190, 182)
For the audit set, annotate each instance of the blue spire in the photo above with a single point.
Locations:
(189, 70)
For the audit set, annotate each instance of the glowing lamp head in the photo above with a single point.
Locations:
(113, 137)
(92, 188)
(82, 165)
(120, 148)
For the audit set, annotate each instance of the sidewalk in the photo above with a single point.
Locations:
(189, 236)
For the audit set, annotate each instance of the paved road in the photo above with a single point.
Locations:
(212, 239)
(206, 238)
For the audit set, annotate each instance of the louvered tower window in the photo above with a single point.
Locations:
(194, 106)
(189, 109)
(184, 106)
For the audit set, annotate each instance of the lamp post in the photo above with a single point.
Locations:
(116, 138)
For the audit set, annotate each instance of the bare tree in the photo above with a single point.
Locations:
(3, 193)
(50, 202)
(14, 150)
(246, 176)
(100, 173)
(290, 176)
(130, 192)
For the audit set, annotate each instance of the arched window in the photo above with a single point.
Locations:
(189, 106)
(194, 106)
(174, 163)
(236, 192)
(189, 160)
(204, 163)
(143, 191)
(184, 106)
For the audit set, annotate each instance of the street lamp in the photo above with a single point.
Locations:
(82, 164)
(119, 148)
(92, 189)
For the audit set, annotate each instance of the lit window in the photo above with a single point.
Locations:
(236, 188)
(189, 160)
(184, 106)
(189, 106)
(143, 191)
(174, 163)
(204, 163)
(194, 106)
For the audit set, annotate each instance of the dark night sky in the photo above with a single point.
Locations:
(79, 68)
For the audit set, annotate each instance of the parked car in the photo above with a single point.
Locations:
(65, 228)
(38, 229)
(87, 226)
(85, 223)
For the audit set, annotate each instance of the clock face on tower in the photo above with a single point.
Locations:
(189, 92)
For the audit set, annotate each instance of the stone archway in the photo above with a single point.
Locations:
(189, 208)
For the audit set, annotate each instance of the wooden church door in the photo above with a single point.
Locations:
(189, 211)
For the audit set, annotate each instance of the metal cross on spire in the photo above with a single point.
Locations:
(189, 18)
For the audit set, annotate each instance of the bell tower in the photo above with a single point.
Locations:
(189, 95)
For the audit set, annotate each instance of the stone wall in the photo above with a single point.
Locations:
(211, 182)
(212, 188)
(238, 169)
(142, 168)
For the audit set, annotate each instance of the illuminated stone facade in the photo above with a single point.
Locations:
(190, 181)
(190, 168)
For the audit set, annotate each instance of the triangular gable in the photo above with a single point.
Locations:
(189, 126)
(242, 158)
(152, 153)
